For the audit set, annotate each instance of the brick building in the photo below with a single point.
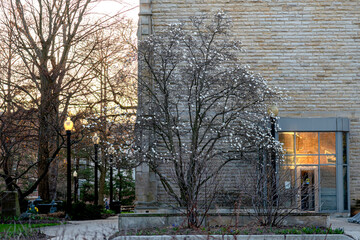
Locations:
(312, 50)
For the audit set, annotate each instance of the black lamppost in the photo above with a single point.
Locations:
(273, 112)
(75, 185)
(96, 141)
(68, 125)
(111, 152)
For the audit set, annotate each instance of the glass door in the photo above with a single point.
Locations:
(307, 194)
(307, 177)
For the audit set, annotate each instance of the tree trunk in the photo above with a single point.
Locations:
(53, 175)
(44, 191)
(120, 186)
(44, 137)
(102, 184)
(43, 158)
(8, 182)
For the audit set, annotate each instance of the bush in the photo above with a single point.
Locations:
(86, 193)
(82, 211)
(107, 212)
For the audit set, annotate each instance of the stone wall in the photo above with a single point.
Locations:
(140, 221)
(309, 48)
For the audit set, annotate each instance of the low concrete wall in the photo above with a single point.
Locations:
(238, 237)
(148, 220)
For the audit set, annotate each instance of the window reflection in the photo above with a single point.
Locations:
(287, 138)
(328, 187)
(290, 160)
(331, 159)
(287, 176)
(287, 185)
(307, 143)
(306, 146)
(300, 160)
(327, 143)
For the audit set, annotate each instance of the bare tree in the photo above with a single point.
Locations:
(268, 192)
(44, 34)
(112, 98)
(15, 136)
(52, 52)
(17, 121)
(201, 107)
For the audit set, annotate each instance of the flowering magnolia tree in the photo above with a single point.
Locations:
(202, 108)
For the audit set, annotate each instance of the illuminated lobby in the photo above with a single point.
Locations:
(316, 161)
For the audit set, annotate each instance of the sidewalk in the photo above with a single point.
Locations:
(351, 229)
(84, 230)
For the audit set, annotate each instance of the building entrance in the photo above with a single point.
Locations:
(316, 150)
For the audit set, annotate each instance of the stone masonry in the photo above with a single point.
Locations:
(309, 48)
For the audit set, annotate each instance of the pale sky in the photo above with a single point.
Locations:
(129, 8)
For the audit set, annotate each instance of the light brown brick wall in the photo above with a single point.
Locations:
(310, 48)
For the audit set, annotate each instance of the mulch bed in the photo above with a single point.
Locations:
(252, 229)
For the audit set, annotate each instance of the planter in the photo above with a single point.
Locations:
(148, 220)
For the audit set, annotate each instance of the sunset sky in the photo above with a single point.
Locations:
(129, 8)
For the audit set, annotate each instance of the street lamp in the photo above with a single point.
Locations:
(68, 125)
(96, 141)
(75, 174)
(273, 111)
(111, 152)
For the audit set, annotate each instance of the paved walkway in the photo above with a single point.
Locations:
(83, 230)
(102, 229)
(351, 229)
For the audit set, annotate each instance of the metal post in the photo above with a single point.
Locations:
(96, 175)
(273, 163)
(120, 189)
(273, 154)
(68, 199)
(75, 188)
(111, 184)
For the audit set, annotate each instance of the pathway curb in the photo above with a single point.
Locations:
(239, 237)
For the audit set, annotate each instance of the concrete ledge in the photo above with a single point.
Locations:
(148, 220)
(239, 237)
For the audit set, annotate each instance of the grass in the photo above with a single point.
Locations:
(17, 228)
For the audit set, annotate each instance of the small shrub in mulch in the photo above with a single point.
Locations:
(105, 213)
